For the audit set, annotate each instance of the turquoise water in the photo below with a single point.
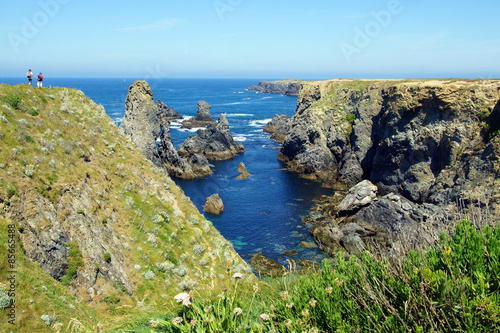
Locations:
(262, 213)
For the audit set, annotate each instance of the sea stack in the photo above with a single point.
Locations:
(202, 118)
(244, 174)
(215, 142)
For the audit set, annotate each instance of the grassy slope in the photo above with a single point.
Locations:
(47, 137)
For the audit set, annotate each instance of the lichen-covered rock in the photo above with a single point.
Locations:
(215, 142)
(214, 204)
(202, 118)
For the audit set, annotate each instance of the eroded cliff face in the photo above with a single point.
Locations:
(430, 142)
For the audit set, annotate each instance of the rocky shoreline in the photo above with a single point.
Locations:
(400, 154)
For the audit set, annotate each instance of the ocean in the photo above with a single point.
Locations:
(263, 212)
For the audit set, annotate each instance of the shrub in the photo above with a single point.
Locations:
(198, 249)
(75, 260)
(149, 275)
(107, 257)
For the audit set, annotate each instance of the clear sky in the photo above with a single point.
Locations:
(316, 39)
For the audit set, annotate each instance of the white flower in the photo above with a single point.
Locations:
(183, 298)
(237, 276)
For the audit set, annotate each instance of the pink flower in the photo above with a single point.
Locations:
(264, 317)
(237, 276)
(237, 311)
(177, 320)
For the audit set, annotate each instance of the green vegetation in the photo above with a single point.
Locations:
(13, 100)
(107, 257)
(75, 260)
(453, 286)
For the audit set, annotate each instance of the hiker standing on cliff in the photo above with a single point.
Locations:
(29, 75)
(39, 80)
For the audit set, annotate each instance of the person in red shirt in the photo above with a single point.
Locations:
(39, 80)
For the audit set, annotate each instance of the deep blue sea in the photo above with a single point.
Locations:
(262, 213)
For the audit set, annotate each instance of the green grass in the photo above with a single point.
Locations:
(451, 287)
(75, 260)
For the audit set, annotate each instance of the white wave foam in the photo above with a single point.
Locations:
(194, 129)
(240, 138)
(260, 123)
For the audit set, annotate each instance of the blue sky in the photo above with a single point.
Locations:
(317, 39)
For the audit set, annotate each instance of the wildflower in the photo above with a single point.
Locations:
(183, 298)
(237, 276)
(177, 320)
(237, 311)
(289, 305)
(271, 307)
(312, 302)
(305, 313)
(338, 282)
(154, 323)
(284, 295)
(288, 323)
(329, 290)
(193, 322)
(256, 287)
(314, 330)
(264, 317)
(447, 251)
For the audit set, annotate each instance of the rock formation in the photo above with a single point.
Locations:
(425, 145)
(214, 205)
(168, 112)
(284, 87)
(202, 118)
(176, 166)
(215, 142)
(144, 122)
(277, 127)
(244, 174)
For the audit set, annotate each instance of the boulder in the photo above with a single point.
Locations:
(215, 142)
(358, 196)
(214, 205)
(277, 127)
(167, 111)
(202, 118)
(243, 171)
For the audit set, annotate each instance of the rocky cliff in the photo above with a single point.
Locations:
(284, 87)
(202, 118)
(430, 142)
(90, 212)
